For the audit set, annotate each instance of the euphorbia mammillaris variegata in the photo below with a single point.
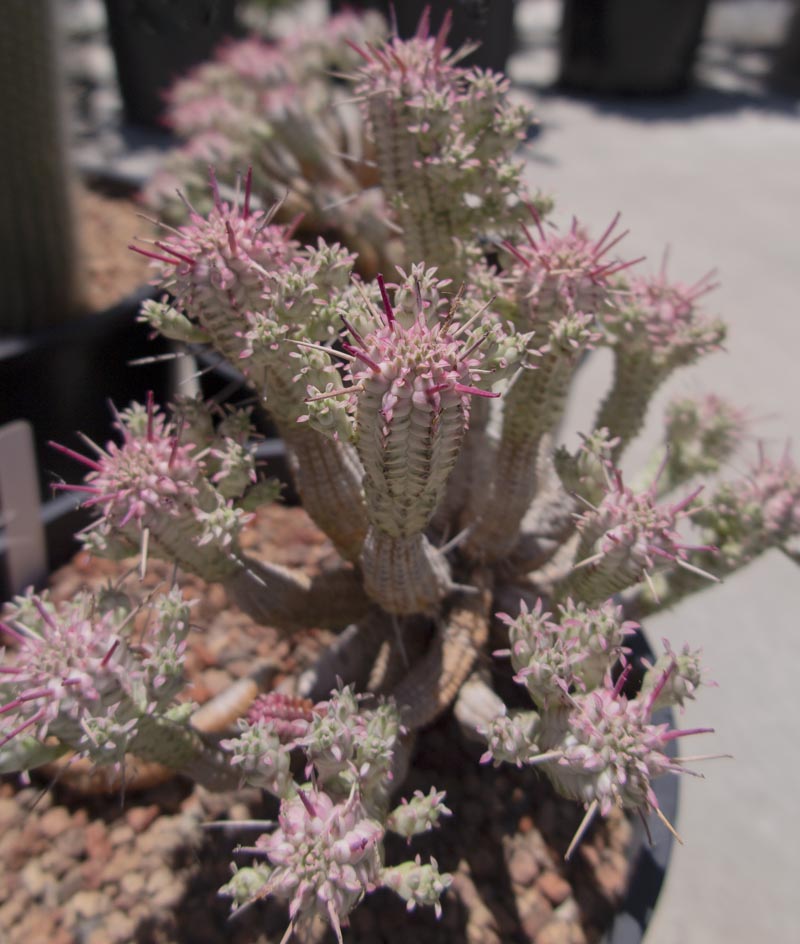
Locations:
(420, 412)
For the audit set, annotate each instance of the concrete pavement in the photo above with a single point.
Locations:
(716, 175)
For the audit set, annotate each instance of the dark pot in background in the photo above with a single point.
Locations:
(489, 22)
(786, 71)
(630, 46)
(648, 862)
(156, 41)
(61, 380)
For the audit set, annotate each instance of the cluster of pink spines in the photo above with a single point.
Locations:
(149, 472)
(409, 67)
(566, 272)
(428, 363)
(325, 856)
(673, 678)
(613, 740)
(550, 672)
(233, 248)
(288, 715)
(775, 487)
(206, 114)
(63, 666)
(710, 424)
(256, 61)
(634, 525)
(669, 314)
(601, 629)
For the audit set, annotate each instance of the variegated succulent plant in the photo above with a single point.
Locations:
(420, 413)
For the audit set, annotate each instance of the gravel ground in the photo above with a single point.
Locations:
(108, 869)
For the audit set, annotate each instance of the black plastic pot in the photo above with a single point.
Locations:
(156, 41)
(488, 22)
(629, 46)
(62, 380)
(648, 861)
(786, 71)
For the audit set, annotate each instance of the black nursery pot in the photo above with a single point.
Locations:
(629, 46)
(648, 860)
(156, 41)
(63, 380)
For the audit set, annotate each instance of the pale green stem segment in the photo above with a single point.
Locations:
(464, 491)
(426, 233)
(596, 582)
(532, 408)
(404, 574)
(184, 750)
(636, 379)
(327, 475)
(289, 600)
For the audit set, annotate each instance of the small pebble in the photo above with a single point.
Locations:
(554, 887)
(140, 817)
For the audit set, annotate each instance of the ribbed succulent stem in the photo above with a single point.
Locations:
(464, 493)
(40, 271)
(434, 681)
(426, 233)
(532, 407)
(636, 379)
(327, 475)
(176, 538)
(405, 575)
(223, 320)
(597, 582)
(288, 600)
(183, 750)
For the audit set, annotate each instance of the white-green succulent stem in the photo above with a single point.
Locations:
(463, 493)
(405, 575)
(182, 749)
(623, 412)
(289, 600)
(532, 408)
(596, 582)
(177, 537)
(221, 312)
(426, 234)
(327, 475)
(412, 411)
(407, 459)
(272, 595)
(326, 471)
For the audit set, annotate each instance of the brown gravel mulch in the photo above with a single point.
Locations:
(107, 222)
(140, 869)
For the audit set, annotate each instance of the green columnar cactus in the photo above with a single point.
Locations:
(420, 412)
